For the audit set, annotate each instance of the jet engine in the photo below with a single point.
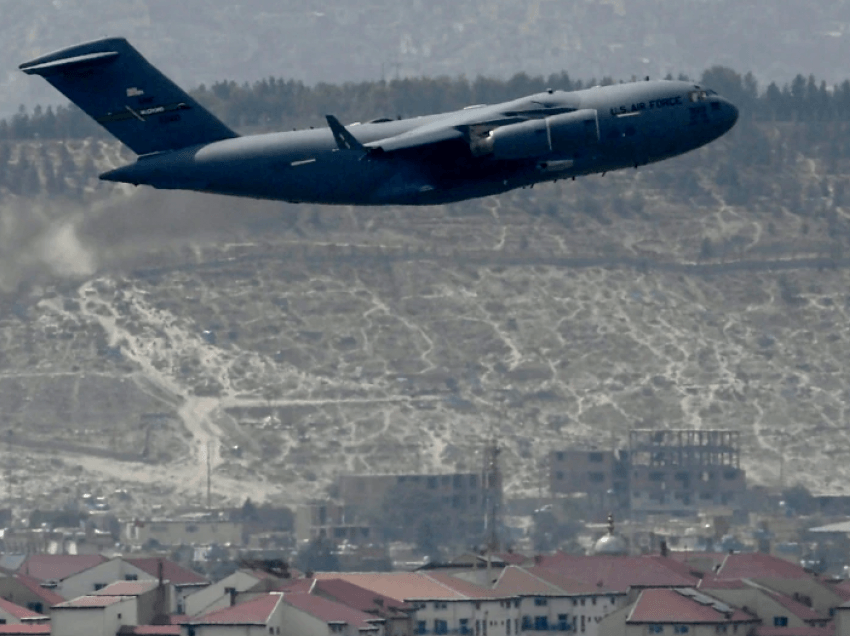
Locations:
(564, 133)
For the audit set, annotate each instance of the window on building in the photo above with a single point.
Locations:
(271, 629)
(477, 628)
(655, 629)
(596, 458)
(440, 605)
(441, 626)
(99, 586)
(720, 629)
(596, 478)
(420, 627)
(559, 475)
(526, 623)
(463, 625)
(36, 606)
(457, 481)
(559, 456)
(446, 479)
(131, 577)
(541, 601)
(508, 627)
(656, 476)
(541, 623)
(432, 482)
(780, 621)
(473, 481)
(681, 629)
(2, 621)
(730, 474)
(563, 622)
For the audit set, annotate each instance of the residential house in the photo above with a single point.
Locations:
(397, 615)
(310, 615)
(11, 613)
(549, 601)
(184, 581)
(261, 616)
(667, 612)
(93, 615)
(774, 609)
(444, 604)
(188, 531)
(218, 595)
(28, 592)
(152, 598)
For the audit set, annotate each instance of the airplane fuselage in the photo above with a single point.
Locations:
(635, 124)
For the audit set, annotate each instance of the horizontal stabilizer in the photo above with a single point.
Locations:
(116, 86)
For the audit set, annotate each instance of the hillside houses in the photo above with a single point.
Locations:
(602, 595)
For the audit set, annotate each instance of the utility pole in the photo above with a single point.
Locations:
(9, 465)
(209, 476)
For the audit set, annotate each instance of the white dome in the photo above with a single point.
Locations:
(611, 545)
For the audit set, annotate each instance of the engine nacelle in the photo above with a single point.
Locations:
(564, 133)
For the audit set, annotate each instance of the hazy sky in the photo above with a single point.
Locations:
(197, 41)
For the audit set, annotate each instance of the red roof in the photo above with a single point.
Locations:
(42, 629)
(49, 597)
(297, 585)
(539, 581)
(683, 605)
(619, 573)
(17, 611)
(127, 588)
(86, 602)
(56, 567)
(358, 597)
(255, 612)
(406, 586)
(174, 573)
(756, 565)
(330, 611)
(795, 607)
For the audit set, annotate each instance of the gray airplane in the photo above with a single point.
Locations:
(478, 151)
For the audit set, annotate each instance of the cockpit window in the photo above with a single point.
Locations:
(698, 96)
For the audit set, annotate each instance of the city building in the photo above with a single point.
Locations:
(330, 520)
(663, 471)
(602, 475)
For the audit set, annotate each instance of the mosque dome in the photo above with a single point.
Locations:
(611, 544)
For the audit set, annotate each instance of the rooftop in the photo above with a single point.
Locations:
(19, 612)
(756, 565)
(57, 567)
(89, 602)
(540, 581)
(33, 585)
(127, 588)
(175, 573)
(409, 586)
(41, 629)
(255, 612)
(330, 611)
(619, 573)
(684, 605)
(358, 597)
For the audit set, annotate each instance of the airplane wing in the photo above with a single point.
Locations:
(418, 137)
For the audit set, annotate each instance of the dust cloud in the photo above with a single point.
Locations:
(44, 240)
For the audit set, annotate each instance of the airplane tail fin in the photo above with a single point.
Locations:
(117, 87)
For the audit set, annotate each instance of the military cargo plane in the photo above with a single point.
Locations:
(478, 151)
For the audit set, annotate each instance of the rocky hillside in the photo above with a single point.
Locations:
(146, 334)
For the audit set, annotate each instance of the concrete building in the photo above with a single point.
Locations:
(199, 530)
(602, 475)
(93, 616)
(681, 471)
(309, 615)
(662, 471)
(331, 520)
(463, 492)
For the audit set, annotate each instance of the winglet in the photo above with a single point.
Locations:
(344, 139)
